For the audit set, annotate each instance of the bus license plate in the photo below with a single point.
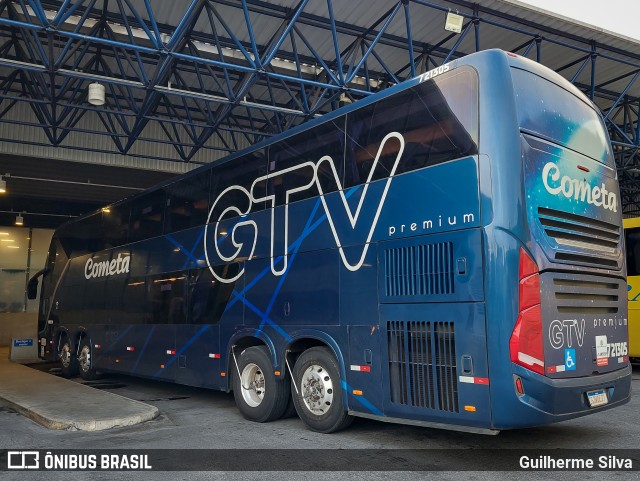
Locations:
(597, 398)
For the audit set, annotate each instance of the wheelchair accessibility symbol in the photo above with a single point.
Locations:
(570, 359)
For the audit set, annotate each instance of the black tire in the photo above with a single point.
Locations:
(319, 399)
(67, 357)
(85, 360)
(263, 398)
(291, 409)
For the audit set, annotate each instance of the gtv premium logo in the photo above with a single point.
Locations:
(355, 218)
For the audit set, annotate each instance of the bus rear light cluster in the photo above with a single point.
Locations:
(526, 347)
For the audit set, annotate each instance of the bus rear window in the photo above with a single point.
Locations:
(548, 110)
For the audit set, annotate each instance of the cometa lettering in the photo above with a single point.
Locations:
(120, 265)
(580, 190)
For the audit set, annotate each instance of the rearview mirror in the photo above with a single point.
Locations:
(32, 288)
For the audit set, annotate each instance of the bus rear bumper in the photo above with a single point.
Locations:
(551, 400)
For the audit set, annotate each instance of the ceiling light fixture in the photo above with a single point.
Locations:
(96, 94)
(453, 22)
(19, 220)
(3, 184)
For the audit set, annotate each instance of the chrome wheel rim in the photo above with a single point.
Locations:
(317, 389)
(253, 385)
(65, 355)
(84, 359)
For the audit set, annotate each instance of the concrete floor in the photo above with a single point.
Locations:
(198, 418)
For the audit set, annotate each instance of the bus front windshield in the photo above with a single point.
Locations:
(549, 111)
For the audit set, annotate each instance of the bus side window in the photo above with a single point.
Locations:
(632, 241)
(135, 293)
(146, 216)
(437, 119)
(239, 173)
(167, 298)
(208, 297)
(187, 203)
(115, 226)
(325, 140)
(83, 236)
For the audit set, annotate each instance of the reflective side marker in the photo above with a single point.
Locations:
(214, 356)
(519, 387)
(360, 368)
(554, 369)
(171, 352)
(357, 392)
(161, 366)
(277, 373)
(475, 380)
(130, 348)
(471, 409)
(117, 360)
(223, 374)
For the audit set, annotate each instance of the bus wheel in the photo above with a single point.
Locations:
(291, 409)
(68, 361)
(259, 395)
(85, 361)
(319, 396)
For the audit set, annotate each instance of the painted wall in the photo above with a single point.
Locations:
(16, 325)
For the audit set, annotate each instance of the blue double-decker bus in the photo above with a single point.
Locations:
(447, 252)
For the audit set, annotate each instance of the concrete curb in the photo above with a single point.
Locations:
(58, 403)
(69, 424)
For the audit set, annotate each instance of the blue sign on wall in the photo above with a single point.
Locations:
(22, 342)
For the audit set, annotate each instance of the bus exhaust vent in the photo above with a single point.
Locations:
(576, 232)
(419, 270)
(586, 296)
(422, 364)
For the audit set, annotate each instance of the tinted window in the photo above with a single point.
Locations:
(208, 298)
(115, 224)
(324, 140)
(437, 119)
(146, 216)
(135, 309)
(82, 236)
(632, 241)
(166, 296)
(187, 202)
(241, 173)
(548, 110)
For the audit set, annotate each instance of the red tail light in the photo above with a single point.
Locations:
(526, 347)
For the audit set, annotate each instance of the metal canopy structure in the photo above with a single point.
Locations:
(208, 77)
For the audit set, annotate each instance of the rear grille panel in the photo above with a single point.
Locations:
(596, 242)
(422, 364)
(419, 270)
(592, 295)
